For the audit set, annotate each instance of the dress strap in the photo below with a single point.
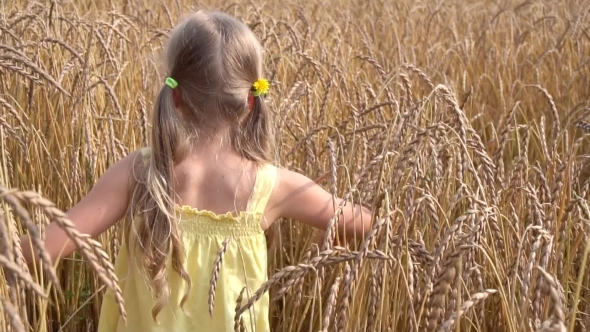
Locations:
(146, 154)
(266, 179)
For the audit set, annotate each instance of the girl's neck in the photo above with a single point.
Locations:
(216, 144)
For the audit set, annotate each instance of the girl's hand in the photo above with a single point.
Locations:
(104, 205)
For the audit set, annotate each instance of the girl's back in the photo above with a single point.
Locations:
(216, 181)
(205, 189)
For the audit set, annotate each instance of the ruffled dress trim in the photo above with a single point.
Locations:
(193, 221)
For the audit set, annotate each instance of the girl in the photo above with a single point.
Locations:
(207, 178)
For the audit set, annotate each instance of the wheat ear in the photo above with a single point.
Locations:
(215, 274)
(15, 319)
(446, 326)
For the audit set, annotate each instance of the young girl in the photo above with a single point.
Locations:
(206, 179)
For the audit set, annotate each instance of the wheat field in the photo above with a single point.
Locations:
(461, 123)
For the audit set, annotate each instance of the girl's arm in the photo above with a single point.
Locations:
(104, 205)
(297, 197)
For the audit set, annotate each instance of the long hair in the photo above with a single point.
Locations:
(215, 59)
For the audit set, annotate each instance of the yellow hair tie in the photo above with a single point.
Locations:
(260, 87)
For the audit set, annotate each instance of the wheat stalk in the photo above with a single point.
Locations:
(215, 273)
(86, 249)
(557, 314)
(24, 276)
(330, 304)
(38, 244)
(475, 298)
(15, 320)
(442, 285)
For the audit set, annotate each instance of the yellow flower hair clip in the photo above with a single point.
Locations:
(260, 87)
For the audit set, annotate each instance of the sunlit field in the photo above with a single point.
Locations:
(460, 123)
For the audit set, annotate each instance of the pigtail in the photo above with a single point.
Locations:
(255, 131)
(253, 136)
(157, 229)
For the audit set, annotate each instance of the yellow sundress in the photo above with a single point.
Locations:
(202, 234)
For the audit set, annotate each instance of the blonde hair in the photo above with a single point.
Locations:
(215, 59)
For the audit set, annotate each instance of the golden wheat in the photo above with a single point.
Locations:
(461, 125)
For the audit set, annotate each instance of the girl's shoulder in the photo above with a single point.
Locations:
(292, 191)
